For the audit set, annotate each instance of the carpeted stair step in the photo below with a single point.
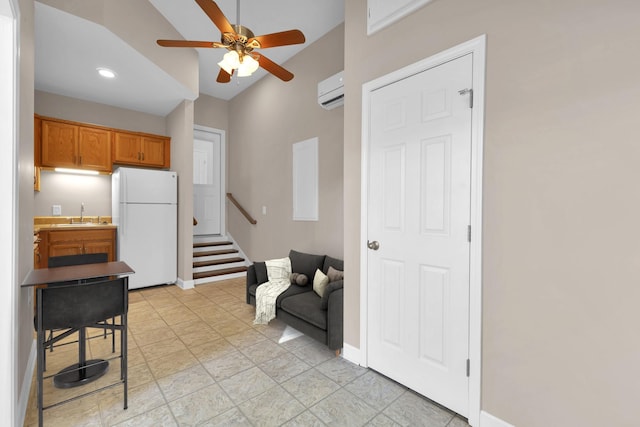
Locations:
(217, 262)
(220, 272)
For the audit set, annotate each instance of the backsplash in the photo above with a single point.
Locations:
(70, 191)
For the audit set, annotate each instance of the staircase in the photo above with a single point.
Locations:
(216, 258)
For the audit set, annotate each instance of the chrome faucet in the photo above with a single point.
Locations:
(81, 211)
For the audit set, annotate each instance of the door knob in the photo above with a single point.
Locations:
(373, 245)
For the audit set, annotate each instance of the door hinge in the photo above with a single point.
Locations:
(469, 233)
(468, 367)
(470, 92)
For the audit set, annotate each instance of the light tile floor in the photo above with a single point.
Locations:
(195, 358)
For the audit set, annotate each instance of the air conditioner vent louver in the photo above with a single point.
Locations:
(331, 92)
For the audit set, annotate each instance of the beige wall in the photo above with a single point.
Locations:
(264, 122)
(560, 251)
(180, 129)
(63, 107)
(211, 112)
(94, 191)
(24, 229)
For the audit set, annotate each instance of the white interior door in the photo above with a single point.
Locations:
(207, 191)
(419, 213)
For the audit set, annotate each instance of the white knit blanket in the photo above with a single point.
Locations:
(278, 272)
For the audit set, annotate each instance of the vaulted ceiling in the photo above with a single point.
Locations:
(69, 48)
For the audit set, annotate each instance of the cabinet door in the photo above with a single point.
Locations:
(99, 247)
(126, 148)
(94, 149)
(37, 141)
(59, 144)
(65, 248)
(153, 151)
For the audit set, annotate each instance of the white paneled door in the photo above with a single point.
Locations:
(207, 189)
(418, 219)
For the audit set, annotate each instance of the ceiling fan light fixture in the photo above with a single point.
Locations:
(248, 66)
(230, 61)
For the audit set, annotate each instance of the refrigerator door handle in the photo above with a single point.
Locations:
(124, 188)
(123, 219)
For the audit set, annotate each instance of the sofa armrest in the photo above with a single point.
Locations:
(335, 319)
(256, 275)
(331, 287)
(251, 280)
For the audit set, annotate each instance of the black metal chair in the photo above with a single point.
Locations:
(65, 261)
(77, 305)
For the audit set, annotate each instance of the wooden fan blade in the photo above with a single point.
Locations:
(282, 38)
(274, 68)
(215, 14)
(223, 76)
(188, 43)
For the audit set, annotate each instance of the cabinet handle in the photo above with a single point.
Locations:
(142, 156)
(80, 161)
(139, 156)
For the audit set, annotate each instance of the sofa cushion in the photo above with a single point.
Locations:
(306, 306)
(324, 301)
(335, 275)
(336, 263)
(320, 282)
(293, 290)
(306, 264)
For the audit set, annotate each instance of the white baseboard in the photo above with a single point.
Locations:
(488, 420)
(185, 284)
(351, 353)
(23, 399)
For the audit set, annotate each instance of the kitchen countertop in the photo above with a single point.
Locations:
(49, 223)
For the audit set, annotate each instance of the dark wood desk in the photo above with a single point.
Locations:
(85, 370)
(76, 277)
(43, 276)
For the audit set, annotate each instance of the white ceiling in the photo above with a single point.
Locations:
(68, 49)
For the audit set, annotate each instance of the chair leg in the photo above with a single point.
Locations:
(113, 334)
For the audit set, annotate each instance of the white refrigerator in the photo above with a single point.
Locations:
(145, 209)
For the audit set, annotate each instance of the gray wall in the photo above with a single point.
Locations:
(560, 250)
(264, 122)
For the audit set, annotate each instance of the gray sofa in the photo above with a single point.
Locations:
(299, 306)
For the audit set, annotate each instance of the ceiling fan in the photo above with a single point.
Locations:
(240, 42)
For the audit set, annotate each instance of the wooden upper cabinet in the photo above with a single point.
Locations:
(62, 143)
(141, 150)
(69, 145)
(154, 151)
(59, 144)
(94, 148)
(126, 148)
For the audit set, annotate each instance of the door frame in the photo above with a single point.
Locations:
(14, 393)
(223, 172)
(477, 47)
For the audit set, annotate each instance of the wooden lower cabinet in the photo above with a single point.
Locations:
(76, 242)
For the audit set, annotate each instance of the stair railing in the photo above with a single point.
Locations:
(241, 209)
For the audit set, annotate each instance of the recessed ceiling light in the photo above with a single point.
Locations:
(106, 73)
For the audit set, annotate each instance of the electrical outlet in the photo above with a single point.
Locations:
(264, 210)
(56, 210)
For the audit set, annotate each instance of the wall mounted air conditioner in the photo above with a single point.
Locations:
(331, 92)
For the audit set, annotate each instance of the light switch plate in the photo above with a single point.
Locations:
(56, 210)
